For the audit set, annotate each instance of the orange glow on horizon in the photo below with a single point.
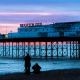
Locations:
(8, 24)
(6, 28)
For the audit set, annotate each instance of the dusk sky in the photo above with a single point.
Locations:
(14, 12)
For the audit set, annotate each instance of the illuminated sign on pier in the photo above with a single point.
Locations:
(30, 24)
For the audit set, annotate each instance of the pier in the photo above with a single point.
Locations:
(45, 47)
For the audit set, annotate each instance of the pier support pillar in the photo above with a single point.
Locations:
(79, 49)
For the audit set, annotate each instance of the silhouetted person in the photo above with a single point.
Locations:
(27, 63)
(36, 68)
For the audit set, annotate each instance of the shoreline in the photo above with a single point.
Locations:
(66, 74)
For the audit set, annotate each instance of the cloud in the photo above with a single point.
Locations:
(14, 12)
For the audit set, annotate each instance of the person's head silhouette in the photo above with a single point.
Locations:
(27, 54)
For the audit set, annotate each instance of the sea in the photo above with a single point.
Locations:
(9, 66)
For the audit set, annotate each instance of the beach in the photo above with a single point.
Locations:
(11, 69)
(67, 74)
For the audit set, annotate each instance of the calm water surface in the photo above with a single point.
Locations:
(12, 66)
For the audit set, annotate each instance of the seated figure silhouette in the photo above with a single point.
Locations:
(36, 68)
(27, 64)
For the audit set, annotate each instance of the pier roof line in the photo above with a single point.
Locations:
(40, 39)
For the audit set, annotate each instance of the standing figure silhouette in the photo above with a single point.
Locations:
(27, 64)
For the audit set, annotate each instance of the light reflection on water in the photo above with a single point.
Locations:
(11, 66)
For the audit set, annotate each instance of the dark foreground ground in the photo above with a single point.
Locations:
(69, 74)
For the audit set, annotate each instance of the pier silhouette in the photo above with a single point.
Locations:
(59, 40)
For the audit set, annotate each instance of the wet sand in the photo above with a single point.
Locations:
(67, 74)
